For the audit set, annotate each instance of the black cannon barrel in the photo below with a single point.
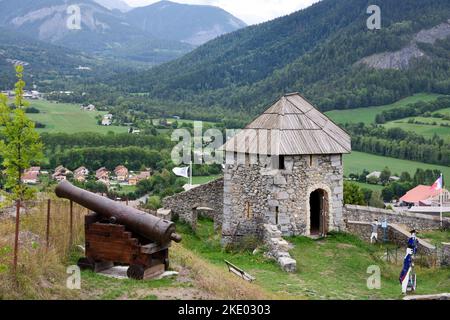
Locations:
(144, 224)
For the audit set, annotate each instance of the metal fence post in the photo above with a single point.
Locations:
(47, 236)
(16, 238)
(71, 223)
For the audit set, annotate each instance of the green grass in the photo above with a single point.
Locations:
(427, 130)
(356, 162)
(68, 118)
(204, 179)
(368, 114)
(125, 189)
(436, 236)
(445, 111)
(100, 287)
(333, 268)
(373, 187)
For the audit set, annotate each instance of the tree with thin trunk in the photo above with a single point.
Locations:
(20, 144)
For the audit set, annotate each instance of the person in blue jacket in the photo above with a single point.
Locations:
(413, 242)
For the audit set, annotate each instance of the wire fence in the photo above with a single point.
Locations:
(46, 224)
(396, 255)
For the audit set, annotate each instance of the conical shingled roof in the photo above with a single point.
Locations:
(292, 126)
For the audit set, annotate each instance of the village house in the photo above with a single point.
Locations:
(107, 119)
(143, 175)
(377, 174)
(121, 173)
(89, 107)
(81, 174)
(102, 175)
(61, 173)
(425, 196)
(31, 175)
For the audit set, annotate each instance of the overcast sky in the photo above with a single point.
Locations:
(250, 11)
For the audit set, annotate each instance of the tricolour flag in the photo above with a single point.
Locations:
(438, 184)
(181, 172)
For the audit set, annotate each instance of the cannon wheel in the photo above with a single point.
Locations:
(136, 272)
(86, 264)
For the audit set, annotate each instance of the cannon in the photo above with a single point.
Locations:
(116, 234)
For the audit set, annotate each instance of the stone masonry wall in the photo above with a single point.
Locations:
(445, 254)
(256, 194)
(411, 220)
(278, 248)
(209, 195)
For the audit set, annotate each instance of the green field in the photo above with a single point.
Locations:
(204, 179)
(425, 130)
(68, 118)
(373, 187)
(436, 237)
(356, 162)
(367, 115)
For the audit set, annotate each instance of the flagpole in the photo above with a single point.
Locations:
(442, 189)
(190, 173)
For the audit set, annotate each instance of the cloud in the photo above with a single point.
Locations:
(251, 11)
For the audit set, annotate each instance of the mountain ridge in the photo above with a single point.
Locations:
(313, 51)
(111, 32)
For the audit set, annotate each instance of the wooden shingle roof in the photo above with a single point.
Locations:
(292, 126)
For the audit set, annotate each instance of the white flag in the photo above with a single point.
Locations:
(181, 172)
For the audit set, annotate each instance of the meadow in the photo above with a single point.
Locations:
(367, 115)
(68, 118)
(356, 162)
(330, 268)
(428, 127)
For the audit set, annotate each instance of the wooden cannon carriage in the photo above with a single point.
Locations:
(120, 235)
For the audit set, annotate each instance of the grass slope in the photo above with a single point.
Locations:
(68, 118)
(367, 115)
(425, 130)
(333, 268)
(356, 162)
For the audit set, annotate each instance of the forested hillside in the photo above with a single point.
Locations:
(316, 51)
(41, 60)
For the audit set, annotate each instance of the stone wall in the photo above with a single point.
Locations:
(278, 248)
(256, 194)
(445, 254)
(394, 233)
(411, 220)
(209, 195)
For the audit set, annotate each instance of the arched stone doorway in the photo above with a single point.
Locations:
(319, 213)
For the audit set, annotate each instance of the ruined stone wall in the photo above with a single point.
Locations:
(445, 254)
(411, 220)
(255, 194)
(428, 254)
(394, 234)
(209, 195)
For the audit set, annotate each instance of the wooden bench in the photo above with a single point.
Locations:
(239, 272)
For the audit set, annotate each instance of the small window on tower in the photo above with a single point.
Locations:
(278, 162)
(277, 213)
(281, 165)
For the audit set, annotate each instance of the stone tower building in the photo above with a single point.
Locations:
(286, 169)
